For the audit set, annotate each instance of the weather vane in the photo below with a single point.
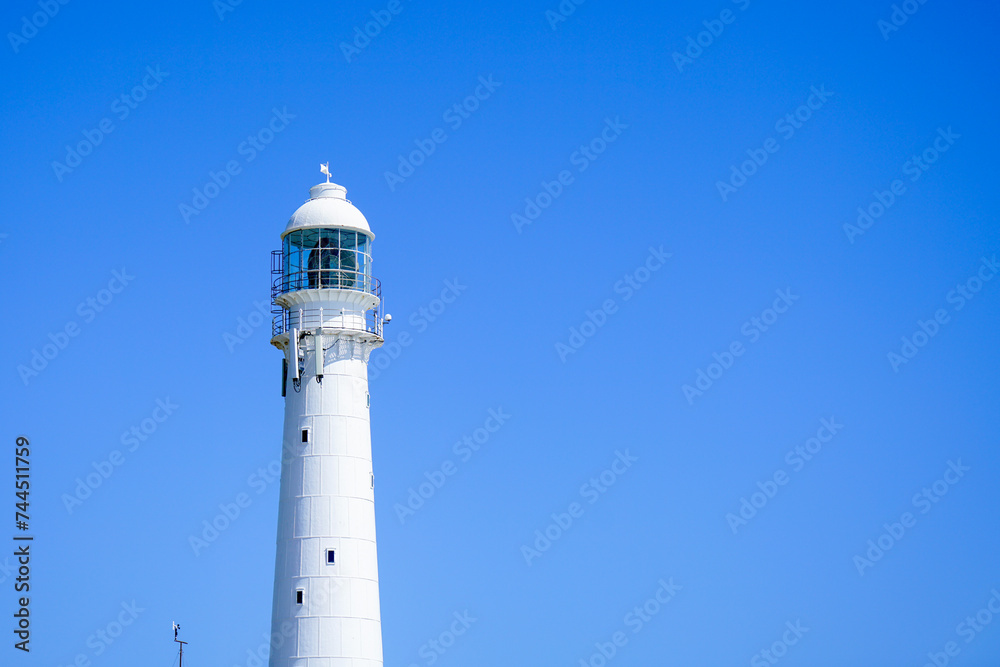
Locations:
(325, 169)
(180, 656)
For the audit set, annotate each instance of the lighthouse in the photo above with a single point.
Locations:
(328, 319)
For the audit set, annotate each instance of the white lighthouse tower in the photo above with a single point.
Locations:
(326, 604)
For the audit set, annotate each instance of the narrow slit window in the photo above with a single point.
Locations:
(298, 596)
(330, 557)
(305, 435)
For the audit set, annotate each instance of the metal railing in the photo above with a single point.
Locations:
(313, 318)
(326, 279)
(305, 318)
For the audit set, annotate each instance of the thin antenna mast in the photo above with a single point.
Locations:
(325, 169)
(180, 661)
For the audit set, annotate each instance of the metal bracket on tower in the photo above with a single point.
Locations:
(318, 338)
(293, 352)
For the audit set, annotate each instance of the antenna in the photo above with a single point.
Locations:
(180, 662)
(325, 169)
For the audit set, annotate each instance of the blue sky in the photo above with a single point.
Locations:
(622, 146)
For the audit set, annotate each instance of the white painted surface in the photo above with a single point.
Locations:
(328, 207)
(327, 500)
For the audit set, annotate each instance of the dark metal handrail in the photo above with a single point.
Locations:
(326, 279)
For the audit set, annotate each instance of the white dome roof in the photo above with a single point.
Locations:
(328, 207)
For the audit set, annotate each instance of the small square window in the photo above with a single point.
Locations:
(298, 596)
(305, 435)
(330, 557)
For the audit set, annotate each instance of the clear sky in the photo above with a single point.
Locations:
(721, 384)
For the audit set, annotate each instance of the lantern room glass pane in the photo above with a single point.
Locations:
(349, 264)
(327, 258)
(329, 238)
(323, 262)
(308, 238)
(363, 269)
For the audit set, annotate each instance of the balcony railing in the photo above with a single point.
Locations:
(313, 318)
(326, 279)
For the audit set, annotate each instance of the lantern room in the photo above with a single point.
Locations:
(322, 276)
(327, 245)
